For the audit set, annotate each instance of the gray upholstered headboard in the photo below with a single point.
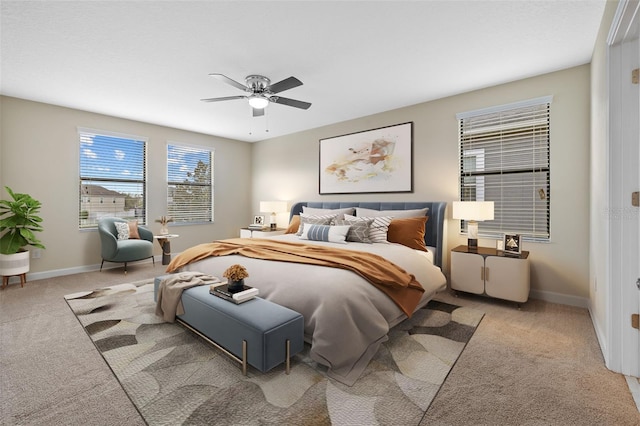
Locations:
(434, 232)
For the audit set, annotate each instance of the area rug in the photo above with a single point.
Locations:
(174, 377)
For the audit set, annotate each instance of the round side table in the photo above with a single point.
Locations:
(165, 243)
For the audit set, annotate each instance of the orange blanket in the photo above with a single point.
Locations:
(389, 278)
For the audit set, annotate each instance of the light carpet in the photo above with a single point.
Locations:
(173, 377)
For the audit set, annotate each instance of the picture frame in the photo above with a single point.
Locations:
(512, 244)
(258, 220)
(372, 161)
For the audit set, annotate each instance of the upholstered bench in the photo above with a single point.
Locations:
(257, 332)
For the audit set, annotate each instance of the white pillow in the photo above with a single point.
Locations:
(378, 228)
(123, 230)
(331, 234)
(337, 212)
(362, 212)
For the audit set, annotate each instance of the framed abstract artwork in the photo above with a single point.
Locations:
(372, 161)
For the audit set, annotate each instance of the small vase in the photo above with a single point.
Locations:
(164, 230)
(235, 286)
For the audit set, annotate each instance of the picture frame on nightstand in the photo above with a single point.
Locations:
(258, 220)
(512, 244)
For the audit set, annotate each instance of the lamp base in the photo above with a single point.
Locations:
(273, 226)
(472, 243)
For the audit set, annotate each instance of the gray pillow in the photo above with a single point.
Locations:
(362, 212)
(338, 212)
(359, 231)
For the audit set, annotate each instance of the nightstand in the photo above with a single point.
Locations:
(491, 272)
(260, 233)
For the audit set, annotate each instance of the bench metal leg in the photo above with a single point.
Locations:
(243, 360)
(244, 357)
(288, 355)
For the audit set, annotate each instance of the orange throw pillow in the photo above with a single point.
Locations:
(133, 229)
(408, 232)
(293, 225)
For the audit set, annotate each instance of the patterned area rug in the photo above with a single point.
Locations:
(176, 378)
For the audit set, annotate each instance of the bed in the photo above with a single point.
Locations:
(346, 317)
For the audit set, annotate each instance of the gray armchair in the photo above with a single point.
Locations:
(123, 251)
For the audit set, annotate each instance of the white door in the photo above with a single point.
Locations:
(623, 263)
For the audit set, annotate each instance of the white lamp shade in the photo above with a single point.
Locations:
(273, 206)
(473, 210)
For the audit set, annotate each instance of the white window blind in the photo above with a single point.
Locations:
(504, 158)
(190, 184)
(112, 177)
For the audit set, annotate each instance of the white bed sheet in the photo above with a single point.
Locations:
(346, 318)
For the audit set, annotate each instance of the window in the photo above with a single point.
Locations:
(112, 167)
(190, 184)
(504, 158)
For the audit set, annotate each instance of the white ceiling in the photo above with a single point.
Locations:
(150, 60)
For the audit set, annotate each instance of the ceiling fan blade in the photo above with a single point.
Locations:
(226, 98)
(286, 84)
(258, 112)
(229, 81)
(290, 102)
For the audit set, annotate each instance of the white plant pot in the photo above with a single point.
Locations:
(14, 264)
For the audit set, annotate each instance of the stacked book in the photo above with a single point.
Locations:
(222, 291)
(258, 227)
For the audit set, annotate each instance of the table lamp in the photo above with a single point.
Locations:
(472, 212)
(274, 207)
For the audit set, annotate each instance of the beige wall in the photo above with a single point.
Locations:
(39, 155)
(286, 168)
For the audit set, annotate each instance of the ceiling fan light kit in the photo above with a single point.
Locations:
(258, 101)
(261, 92)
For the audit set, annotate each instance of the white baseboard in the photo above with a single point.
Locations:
(600, 335)
(75, 270)
(563, 299)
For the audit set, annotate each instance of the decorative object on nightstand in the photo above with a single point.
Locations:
(258, 223)
(164, 221)
(472, 212)
(512, 245)
(273, 207)
(488, 271)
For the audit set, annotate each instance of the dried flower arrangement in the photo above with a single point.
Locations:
(164, 220)
(235, 273)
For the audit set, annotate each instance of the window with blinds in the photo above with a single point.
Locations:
(190, 184)
(112, 177)
(504, 158)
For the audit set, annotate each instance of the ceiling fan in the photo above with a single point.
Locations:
(261, 92)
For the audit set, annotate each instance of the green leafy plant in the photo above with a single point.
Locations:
(19, 221)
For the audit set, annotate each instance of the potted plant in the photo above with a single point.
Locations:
(19, 221)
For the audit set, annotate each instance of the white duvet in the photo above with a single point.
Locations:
(346, 318)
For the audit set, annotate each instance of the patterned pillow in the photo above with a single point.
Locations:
(378, 228)
(327, 233)
(359, 231)
(314, 220)
(123, 230)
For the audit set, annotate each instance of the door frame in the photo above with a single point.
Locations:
(623, 55)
